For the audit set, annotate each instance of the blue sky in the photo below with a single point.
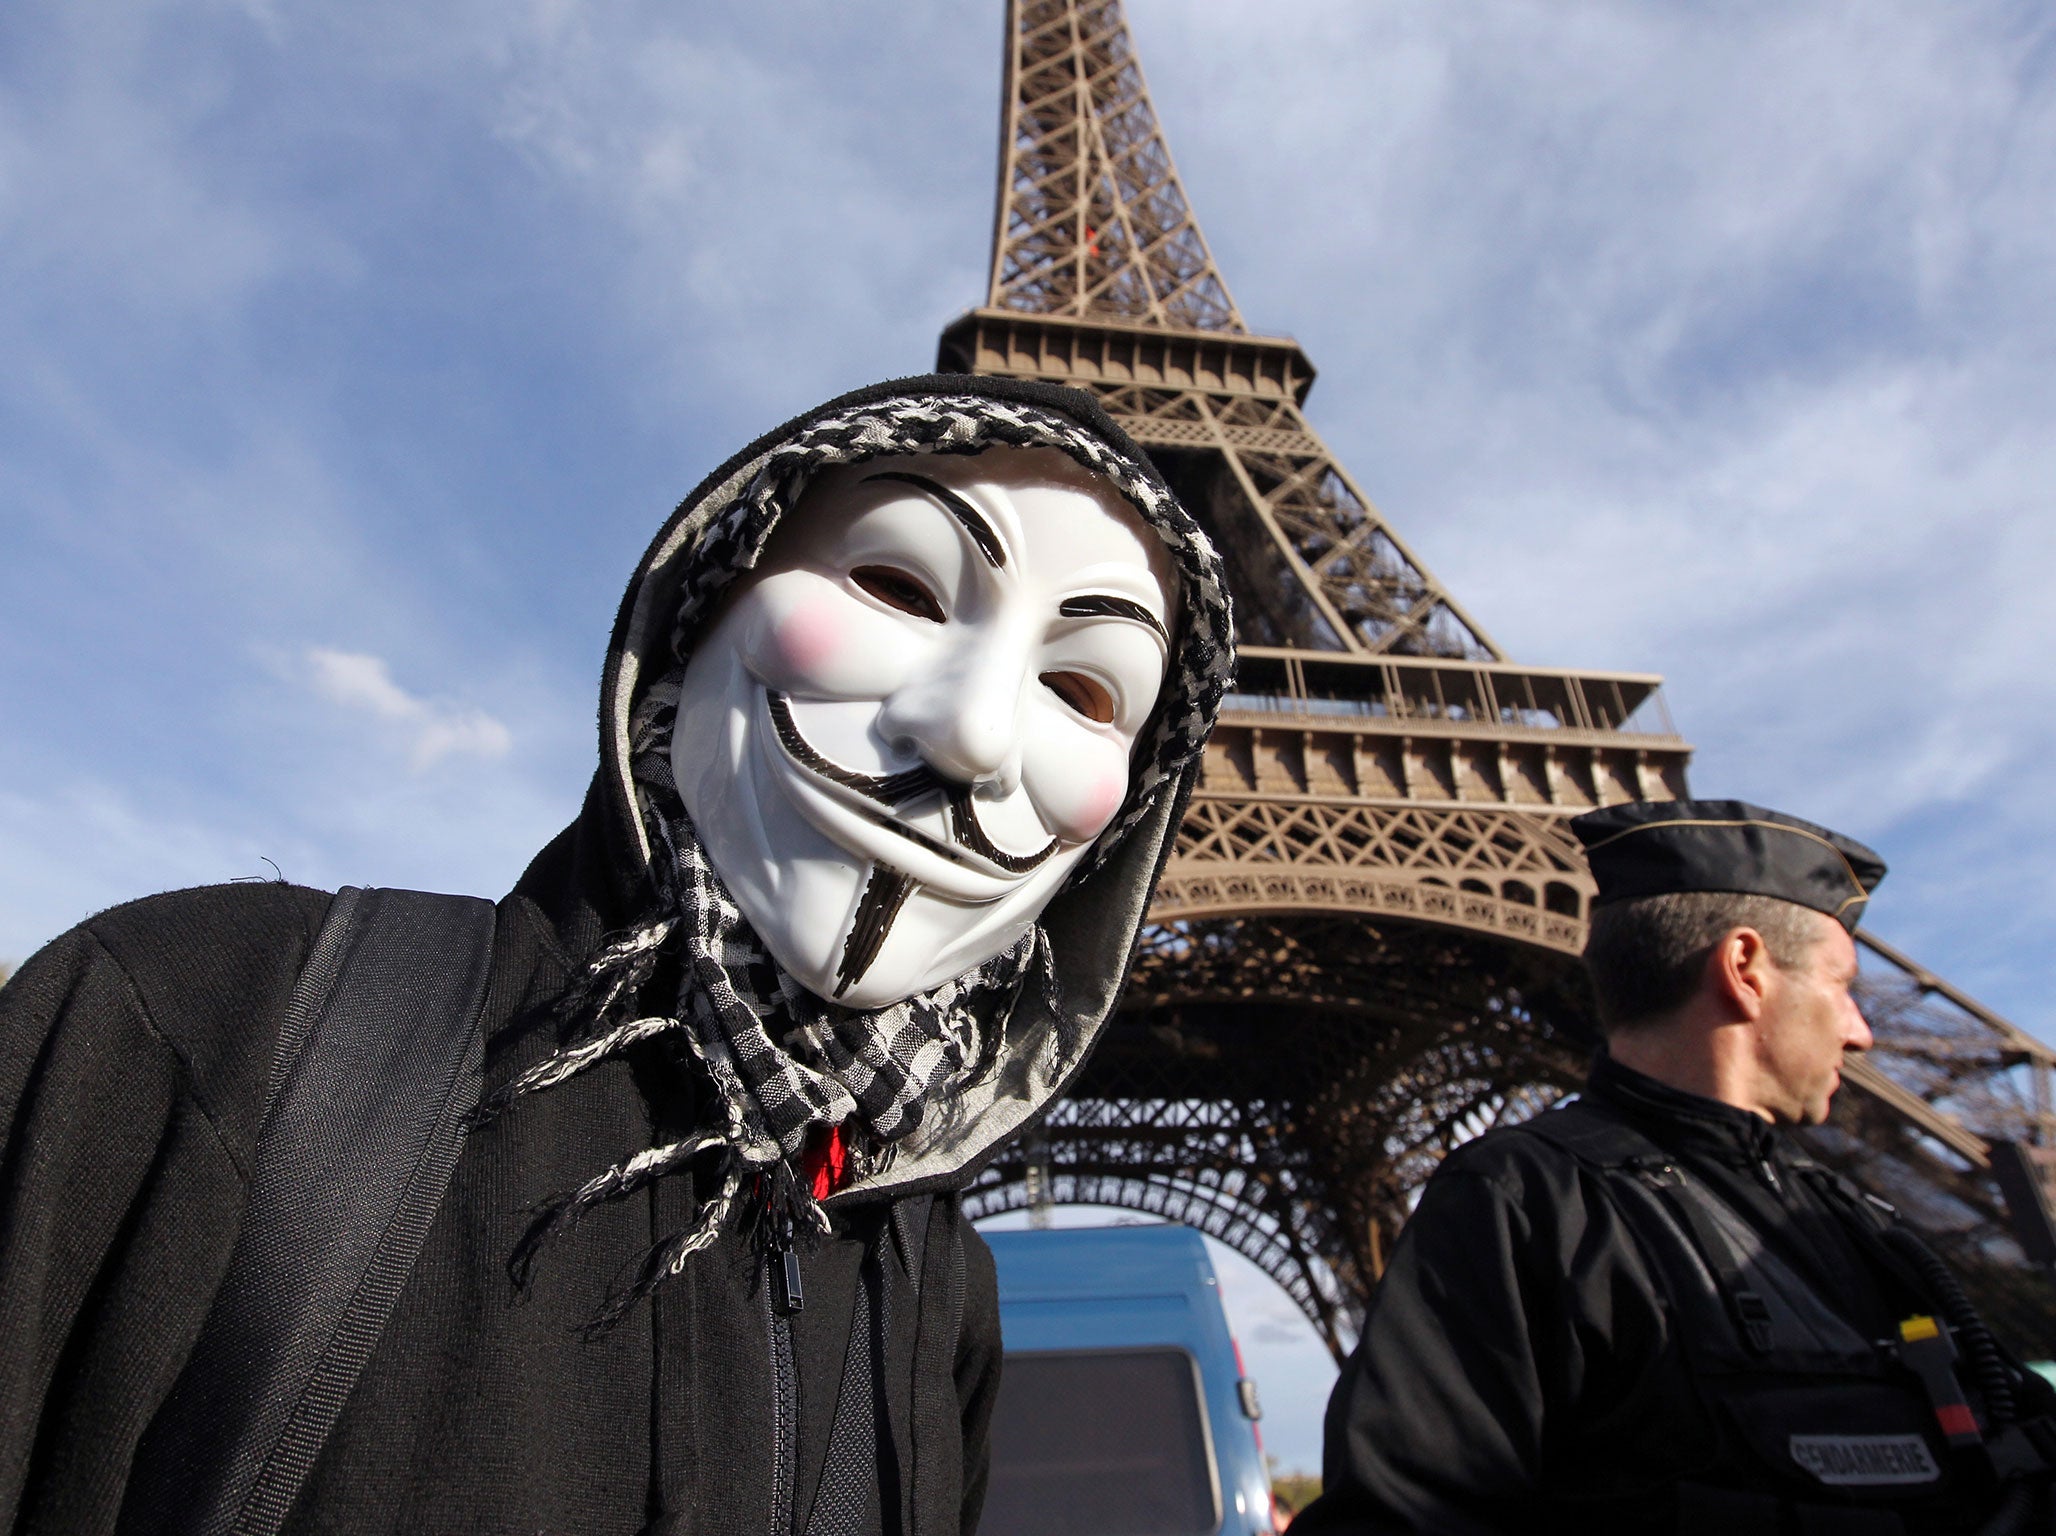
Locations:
(352, 352)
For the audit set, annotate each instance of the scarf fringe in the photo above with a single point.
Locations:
(665, 1259)
(569, 1063)
(560, 1212)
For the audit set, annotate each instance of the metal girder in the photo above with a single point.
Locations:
(1092, 218)
(1371, 590)
(1286, 1082)
(1287, 1078)
(1505, 873)
(1955, 1072)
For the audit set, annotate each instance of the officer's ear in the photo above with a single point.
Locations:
(1740, 974)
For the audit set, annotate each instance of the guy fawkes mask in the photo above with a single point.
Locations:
(910, 722)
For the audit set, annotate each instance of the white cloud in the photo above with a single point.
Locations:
(432, 729)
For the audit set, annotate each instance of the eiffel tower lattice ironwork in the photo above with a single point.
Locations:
(1361, 950)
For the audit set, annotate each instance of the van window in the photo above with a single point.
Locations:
(1107, 1441)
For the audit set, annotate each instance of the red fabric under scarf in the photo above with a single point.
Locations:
(826, 1163)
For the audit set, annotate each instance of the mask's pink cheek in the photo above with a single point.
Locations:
(1103, 798)
(801, 633)
(1078, 803)
(807, 636)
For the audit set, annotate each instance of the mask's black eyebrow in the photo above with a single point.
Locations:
(1100, 605)
(974, 521)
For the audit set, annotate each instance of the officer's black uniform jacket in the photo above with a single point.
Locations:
(1526, 1363)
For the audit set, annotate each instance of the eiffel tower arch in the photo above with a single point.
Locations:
(1363, 948)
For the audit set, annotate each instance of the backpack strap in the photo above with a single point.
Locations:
(378, 1063)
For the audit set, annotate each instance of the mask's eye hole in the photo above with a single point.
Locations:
(896, 589)
(1087, 695)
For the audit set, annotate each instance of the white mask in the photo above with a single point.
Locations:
(910, 722)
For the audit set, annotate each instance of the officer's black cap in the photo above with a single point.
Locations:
(1656, 847)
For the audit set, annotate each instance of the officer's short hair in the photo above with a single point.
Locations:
(1646, 956)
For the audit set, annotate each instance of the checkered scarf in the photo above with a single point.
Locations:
(782, 1061)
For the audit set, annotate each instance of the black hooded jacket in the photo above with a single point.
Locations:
(133, 1056)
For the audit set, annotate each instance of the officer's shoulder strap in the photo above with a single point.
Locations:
(1597, 1139)
(1782, 1305)
(377, 1066)
(1868, 1212)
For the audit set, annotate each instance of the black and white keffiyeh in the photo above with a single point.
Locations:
(784, 1063)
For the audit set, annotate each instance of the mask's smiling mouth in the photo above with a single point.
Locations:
(888, 792)
(963, 825)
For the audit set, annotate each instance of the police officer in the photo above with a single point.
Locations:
(1647, 1309)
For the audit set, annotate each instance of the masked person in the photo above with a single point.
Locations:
(899, 718)
(1646, 1309)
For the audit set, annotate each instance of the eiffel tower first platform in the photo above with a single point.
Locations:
(1363, 949)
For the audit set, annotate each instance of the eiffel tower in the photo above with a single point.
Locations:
(1363, 948)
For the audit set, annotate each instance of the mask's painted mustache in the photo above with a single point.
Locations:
(889, 791)
(895, 790)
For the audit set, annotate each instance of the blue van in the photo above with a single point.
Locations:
(1123, 1410)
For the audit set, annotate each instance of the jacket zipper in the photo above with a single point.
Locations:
(783, 1296)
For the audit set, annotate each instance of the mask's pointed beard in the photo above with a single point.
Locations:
(884, 894)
